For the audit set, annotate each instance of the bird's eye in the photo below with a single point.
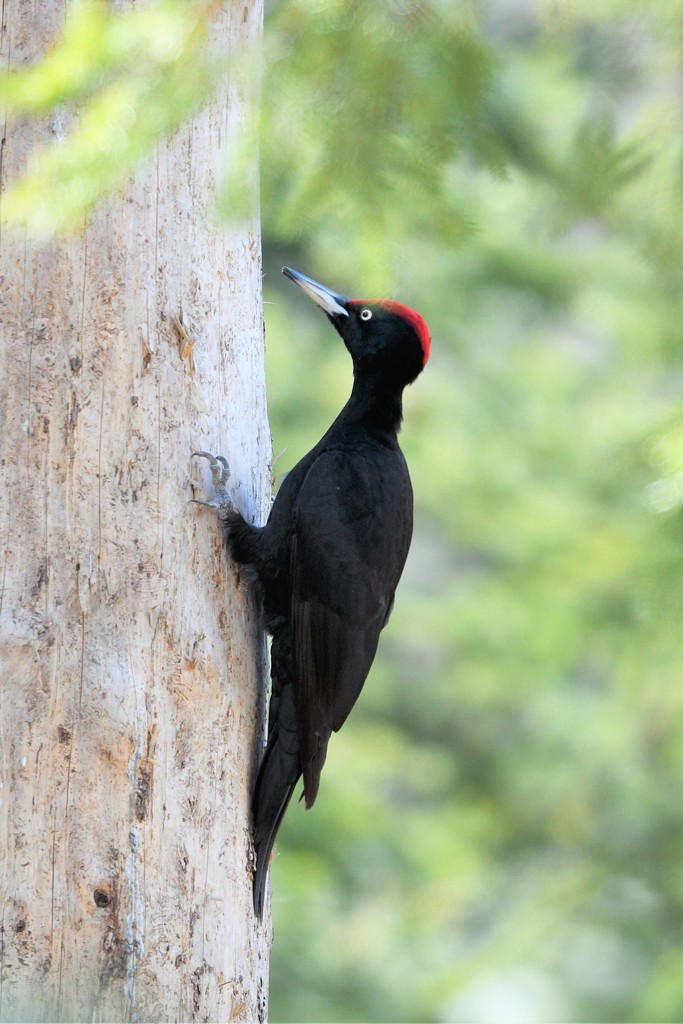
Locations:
(366, 314)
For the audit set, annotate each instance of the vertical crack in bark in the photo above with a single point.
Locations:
(4, 34)
(81, 330)
(100, 560)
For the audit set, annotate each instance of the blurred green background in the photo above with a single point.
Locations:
(499, 832)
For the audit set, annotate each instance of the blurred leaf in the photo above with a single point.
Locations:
(137, 76)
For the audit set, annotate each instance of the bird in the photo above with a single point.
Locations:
(329, 558)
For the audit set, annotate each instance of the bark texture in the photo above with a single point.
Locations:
(131, 658)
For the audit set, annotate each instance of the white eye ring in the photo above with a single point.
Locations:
(366, 314)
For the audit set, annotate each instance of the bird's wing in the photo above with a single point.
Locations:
(352, 527)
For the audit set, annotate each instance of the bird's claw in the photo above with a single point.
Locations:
(220, 474)
(220, 470)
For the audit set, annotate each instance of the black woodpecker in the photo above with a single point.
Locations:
(331, 554)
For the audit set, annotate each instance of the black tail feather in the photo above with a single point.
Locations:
(277, 777)
(281, 766)
(264, 841)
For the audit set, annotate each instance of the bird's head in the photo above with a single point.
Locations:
(382, 336)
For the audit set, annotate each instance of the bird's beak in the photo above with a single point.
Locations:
(333, 304)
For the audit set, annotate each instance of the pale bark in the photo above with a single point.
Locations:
(131, 658)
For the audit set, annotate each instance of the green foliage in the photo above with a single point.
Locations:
(134, 76)
(366, 106)
(499, 830)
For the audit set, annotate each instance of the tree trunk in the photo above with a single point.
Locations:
(131, 658)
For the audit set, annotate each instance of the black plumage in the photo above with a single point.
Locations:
(331, 554)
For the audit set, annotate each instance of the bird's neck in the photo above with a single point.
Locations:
(376, 403)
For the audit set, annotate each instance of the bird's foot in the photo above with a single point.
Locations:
(220, 474)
